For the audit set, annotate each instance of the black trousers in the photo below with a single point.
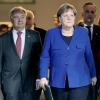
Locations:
(14, 91)
(37, 94)
(93, 91)
(80, 93)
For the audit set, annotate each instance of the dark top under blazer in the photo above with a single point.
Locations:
(75, 61)
(16, 73)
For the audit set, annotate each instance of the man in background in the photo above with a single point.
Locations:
(31, 24)
(89, 14)
(55, 20)
(3, 28)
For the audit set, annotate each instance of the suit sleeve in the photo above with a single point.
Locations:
(89, 57)
(45, 56)
(0, 59)
(37, 51)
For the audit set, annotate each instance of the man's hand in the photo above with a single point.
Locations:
(94, 81)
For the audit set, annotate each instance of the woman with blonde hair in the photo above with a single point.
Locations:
(68, 52)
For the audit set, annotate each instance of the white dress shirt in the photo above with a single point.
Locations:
(15, 36)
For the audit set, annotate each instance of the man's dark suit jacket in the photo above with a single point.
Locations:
(42, 33)
(95, 44)
(19, 73)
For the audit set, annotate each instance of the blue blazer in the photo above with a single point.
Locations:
(74, 60)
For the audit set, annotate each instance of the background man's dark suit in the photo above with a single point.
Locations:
(18, 75)
(42, 33)
(95, 44)
(96, 51)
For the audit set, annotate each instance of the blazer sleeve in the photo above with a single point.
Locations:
(89, 56)
(45, 56)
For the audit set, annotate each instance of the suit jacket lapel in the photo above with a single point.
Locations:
(27, 44)
(12, 43)
(95, 32)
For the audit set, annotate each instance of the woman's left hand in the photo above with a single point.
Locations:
(94, 81)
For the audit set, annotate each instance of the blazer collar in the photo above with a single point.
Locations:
(73, 37)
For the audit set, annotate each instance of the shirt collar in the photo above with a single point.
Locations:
(32, 28)
(15, 31)
(89, 25)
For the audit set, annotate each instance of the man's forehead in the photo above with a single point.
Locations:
(19, 13)
(90, 7)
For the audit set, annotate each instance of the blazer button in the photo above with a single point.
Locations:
(67, 48)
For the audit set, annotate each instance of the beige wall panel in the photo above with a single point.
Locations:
(45, 9)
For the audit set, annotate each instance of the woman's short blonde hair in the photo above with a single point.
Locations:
(64, 8)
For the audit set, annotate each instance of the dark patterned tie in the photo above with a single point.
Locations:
(19, 43)
(89, 30)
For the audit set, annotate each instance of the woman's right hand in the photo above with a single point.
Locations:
(43, 82)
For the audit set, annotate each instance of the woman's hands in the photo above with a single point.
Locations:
(43, 82)
(40, 83)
